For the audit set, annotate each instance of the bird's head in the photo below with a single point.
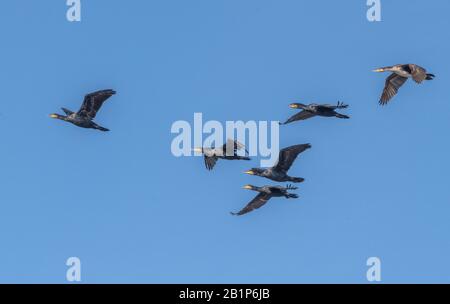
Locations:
(381, 70)
(197, 150)
(254, 171)
(249, 187)
(296, 106)
(57, 116)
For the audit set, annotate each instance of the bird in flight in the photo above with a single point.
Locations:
(311, 110)
(278, 172)
(91, 105)
(264, 195)
(400, 74)
(229, 151)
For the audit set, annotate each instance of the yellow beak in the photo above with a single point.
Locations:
(293, 106)
(53, 116)
(247, 187)
(249, 172)
(197, 150)
(378, 70)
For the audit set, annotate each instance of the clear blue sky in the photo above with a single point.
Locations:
(376, 185)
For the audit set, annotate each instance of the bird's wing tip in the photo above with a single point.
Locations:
(109, 91)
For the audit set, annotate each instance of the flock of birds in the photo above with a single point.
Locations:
(229, 151)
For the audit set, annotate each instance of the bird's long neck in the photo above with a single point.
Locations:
(258, 189)
(392, 69)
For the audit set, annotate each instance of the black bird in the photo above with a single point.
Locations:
(313, 109)
(264, 195)
(400, 74)
(278, 172)
(91, 105)
(228, 151)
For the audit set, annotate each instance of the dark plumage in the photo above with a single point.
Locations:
(313, 109)
(91, 105)
(400, 74)
(228, 151)
(278, 172)
(264, 195)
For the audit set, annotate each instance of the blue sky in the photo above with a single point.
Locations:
(376, 185)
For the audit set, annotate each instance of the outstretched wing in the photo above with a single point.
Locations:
(300, 116)
(231, 147)
(210, 162)
(418, 73)
(67, 111)
(393, 83)
(288, 156)
(93, 102)
(260, 200)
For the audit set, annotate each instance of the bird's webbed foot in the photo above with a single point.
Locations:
(341, 105)
(291, 187)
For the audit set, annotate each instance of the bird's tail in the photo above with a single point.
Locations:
(297, 180)
(430, 77)
(244, 158)
(338, 115)
(102, 129)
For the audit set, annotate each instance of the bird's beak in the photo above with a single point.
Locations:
(248, 187)
(249, 172)
(293, 106)
(378, 70)
(53, 116)
(197, 150)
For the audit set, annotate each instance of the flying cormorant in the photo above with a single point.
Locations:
(264, 195)
(401, 73)
(278, 172)
(211, 155)
(91, 105)
(313, 109)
